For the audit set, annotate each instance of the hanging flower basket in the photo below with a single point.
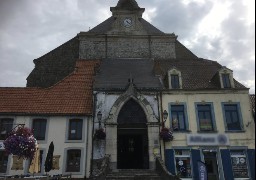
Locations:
(100, 134)
(166, 134)
(21, 142)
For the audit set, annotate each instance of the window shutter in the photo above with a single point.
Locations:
(226, 163)
(170, 161)
(195, 157)
(251, 158)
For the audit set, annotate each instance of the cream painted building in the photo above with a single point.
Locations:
(121, 77)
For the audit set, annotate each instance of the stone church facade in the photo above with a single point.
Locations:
(122, 76)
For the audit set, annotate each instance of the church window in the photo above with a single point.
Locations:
(39, 128)
(73, 160)
(75, 129)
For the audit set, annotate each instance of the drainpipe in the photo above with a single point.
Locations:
(158, 100)
(162, 121)
(94, 114)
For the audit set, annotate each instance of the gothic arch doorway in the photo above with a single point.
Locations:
(132, 137)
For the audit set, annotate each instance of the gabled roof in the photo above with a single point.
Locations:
(114, 74)
(72, 95)
(106, 25)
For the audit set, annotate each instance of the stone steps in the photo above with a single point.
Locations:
(133, 174)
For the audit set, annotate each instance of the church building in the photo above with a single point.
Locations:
(107, 97)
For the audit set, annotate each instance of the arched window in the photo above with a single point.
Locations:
(131, 113)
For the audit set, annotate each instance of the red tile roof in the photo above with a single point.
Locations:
(72, 95)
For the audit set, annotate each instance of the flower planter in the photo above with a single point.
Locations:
(166, 135)
(100, 134)
(21, 142)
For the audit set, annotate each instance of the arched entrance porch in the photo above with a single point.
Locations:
(132, 137)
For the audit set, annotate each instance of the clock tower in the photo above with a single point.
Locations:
(127, 14)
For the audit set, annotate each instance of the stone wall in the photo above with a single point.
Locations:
(126, 46)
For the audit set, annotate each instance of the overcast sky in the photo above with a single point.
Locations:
(220, 30)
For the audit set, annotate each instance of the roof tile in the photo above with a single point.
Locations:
(72, 95)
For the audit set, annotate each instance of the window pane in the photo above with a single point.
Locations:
(182, 125)
(75, 129)
(226, 81)
(175, 81)
(205, 118)
(239, 164)
(6, 125)
(39, 128)
(183, 166)
(178, 117)
(232, 117)
(73, 160)
(3, 161)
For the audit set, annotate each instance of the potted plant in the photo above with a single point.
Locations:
(166, 134)
(100, 134)
(21, 142)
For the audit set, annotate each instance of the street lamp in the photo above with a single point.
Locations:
(99, 116)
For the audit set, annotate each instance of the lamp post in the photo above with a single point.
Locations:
(99, 116)
(165, 115)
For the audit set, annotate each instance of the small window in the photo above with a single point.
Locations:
(232, 117)
(75, 129)
(175, 81)
(73, 160)
(183, 163)
(178, 119)
(39, 128)
(6, 126)
(239, 163)
(205, 117)
(226, 81)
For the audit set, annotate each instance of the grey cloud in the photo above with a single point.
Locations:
(174, 16)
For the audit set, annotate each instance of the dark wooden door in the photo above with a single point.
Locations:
(130, 151)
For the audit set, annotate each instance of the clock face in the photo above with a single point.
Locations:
(127, 22)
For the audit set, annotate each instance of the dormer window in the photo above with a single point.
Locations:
(174, 78)
(226, 81)
(175, 81)
(226, 78)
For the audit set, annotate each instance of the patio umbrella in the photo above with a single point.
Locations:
(49, 158)
(35, 163)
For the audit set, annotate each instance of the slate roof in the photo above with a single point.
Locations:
(196, 73)
(72, 95)
(106, 25)
(114, 74)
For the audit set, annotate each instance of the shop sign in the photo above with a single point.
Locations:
(207, 140)
(1, 145)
